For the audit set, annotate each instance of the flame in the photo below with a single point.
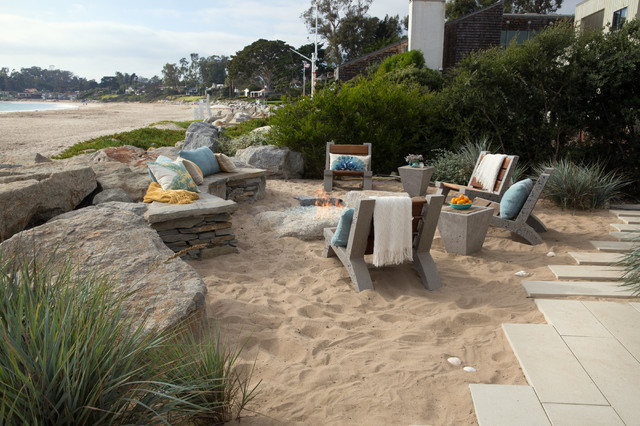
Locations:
(324, 200)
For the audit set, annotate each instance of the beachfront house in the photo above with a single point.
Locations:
(605, 14)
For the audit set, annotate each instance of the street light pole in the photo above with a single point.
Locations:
(314, 56)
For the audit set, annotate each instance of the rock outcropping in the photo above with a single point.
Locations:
(280, 162)
(31, 195)
(114, 238)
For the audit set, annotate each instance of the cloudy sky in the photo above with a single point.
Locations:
(97, 38)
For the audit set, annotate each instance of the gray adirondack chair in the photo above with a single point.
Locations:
(425, 211)
(474, 188)
(332, 148)
(526, 224)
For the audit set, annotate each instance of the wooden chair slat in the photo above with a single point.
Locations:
(349, 149)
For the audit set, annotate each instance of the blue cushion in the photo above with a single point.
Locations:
(163, 160)
(204, 158)
(513, 200)
(341, 236)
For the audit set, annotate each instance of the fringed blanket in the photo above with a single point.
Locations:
(392, 225)
(171, 196)
(488, 169)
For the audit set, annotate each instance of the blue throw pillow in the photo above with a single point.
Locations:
(341, 236)
(515, 197)
(204, 158)
(163, 160)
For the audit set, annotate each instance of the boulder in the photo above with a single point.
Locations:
(280, 162)
(201, 134)
(112, 194)
(263, 129)
(240, 117)
(133, 180)
(109, 240)
(31, 195)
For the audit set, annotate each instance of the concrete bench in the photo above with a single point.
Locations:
(203, 228)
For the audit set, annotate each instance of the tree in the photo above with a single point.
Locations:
(213, 70)
(332, 15)
(171, 75)
(532, 6)
(455, 9)
(263, 62)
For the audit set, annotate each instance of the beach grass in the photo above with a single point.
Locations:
(144, 138)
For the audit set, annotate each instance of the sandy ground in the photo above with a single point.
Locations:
(328, 355)
(325, 354)
(23, 134)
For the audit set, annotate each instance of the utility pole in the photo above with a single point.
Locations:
(315, 56)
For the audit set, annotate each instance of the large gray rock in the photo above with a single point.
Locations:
(108, 239)
(31, 195)
(280, 162)
(133, 180)
(201, 134)
(305, 223)
(113, 194)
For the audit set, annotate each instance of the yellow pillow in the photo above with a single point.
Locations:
(226, 163)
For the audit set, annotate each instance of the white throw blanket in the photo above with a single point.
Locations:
(488, 169)
(392, 225)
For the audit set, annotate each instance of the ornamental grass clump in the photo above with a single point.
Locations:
(630, 262)
(581, 186)
(69, 354)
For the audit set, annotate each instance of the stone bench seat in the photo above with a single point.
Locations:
(244, 184)
(203, 228)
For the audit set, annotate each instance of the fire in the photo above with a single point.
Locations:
(324, 200)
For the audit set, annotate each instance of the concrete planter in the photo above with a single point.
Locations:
(415, 180)
(463, 231)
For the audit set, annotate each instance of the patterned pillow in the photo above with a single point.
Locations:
(226, 163)
(356, 163)
(194, 171)
(204, 158)
(161, 159)
(172, 176)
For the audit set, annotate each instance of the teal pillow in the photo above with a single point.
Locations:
(341, 236)
(355, 163)
(161, 159)
(204, 158)
(515, 197)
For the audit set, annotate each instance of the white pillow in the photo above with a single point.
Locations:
(193, 169)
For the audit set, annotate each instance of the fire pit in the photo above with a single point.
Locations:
(320, 201)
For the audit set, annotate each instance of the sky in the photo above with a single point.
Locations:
(93, 39)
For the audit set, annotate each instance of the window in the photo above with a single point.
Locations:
(619, 16)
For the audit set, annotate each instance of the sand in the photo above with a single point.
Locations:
(23, 134)
(325, 354)
(328, 355)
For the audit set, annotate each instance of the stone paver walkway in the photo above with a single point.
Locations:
(583, 366)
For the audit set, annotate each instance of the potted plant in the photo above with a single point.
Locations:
(414, 160)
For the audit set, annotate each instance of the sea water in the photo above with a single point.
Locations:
(32, 106)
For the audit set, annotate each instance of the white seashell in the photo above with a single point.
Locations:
(469, 369)
(551, 254)
(454, 360)
(522, 274)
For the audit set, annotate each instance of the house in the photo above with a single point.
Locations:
(358, 66)
(608, 14)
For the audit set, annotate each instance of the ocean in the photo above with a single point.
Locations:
(32, 106)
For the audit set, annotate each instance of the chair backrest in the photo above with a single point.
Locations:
(532, 199)
(504, 176)
(332, 148)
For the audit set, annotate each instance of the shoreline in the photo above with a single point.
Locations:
(48, 132)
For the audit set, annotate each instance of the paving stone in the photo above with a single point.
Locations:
(624, 236)
(636, 306)
(575, 288)
(573, 414)
(613, 246)
(625, 227)
(595, 258)
(630, 219)
(571, 318)
(621, 319)
(625, 212)
(508, 405)
(591, 272)
(550, 367)
(614, 370)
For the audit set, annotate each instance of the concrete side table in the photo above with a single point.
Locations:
(415, 180)
(463, 231)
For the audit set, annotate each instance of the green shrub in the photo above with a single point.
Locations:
(457, 166)
(245, 127)
(412, 58)
(229, 146)
(630, 262)
(394, 117)
(581, 186)
(69, 354)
